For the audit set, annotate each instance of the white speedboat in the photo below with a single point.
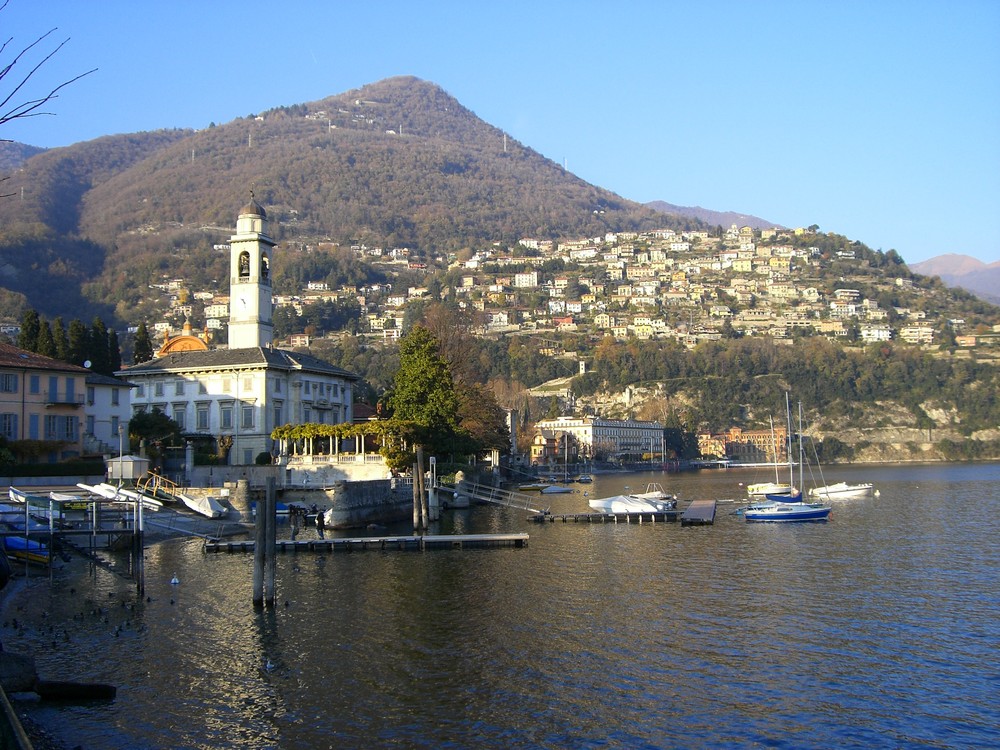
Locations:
(556, 489)
(205, 506)
(653, 500)
(842, 490)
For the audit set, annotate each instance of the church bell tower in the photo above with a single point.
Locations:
(250, 303)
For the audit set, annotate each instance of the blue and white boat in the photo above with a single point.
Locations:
(27, 550)
(786, 508)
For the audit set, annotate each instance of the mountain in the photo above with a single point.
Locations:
(397, 163)
(13, 155)
(713, 218)
(966, 272)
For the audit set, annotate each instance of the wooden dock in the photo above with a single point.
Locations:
(648, 517)
(357, 544)
(699, 513)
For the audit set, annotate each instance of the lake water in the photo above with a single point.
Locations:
(879, 628)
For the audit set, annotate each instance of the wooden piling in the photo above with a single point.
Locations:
(270, 555)
(259, 551)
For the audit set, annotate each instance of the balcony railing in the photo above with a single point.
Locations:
(64, 399)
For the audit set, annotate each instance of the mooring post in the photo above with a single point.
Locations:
(416, 501)
(260, 542)
(271, 510)
(423, 488)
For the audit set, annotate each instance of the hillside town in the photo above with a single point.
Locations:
(689, 286)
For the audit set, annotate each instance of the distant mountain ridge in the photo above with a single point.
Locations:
(966, 272)
(396, 163)
(714, 218)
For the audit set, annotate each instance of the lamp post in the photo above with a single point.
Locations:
(121, 435)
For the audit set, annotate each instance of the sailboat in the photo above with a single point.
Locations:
(788, 508)
(777, 487)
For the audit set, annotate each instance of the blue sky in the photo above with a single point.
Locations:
(879, 120)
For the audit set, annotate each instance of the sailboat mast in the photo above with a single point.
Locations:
(788, 440)
(774, 450)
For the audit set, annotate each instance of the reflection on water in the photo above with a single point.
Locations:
(876, 628)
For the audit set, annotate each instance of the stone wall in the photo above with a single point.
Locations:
(380, 501)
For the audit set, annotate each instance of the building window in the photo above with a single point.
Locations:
(90, 395)
(35, 384)
(158, 390)
(140, 390)
(140, 409)
(90, 424)
(114, 425)
(306, 414)
(226, 416)
(277, 385)
(227, 385)
(202, 388)
(246, 417)
(201, 418)
(247, 385)
(179, 388)
(114, 396)
(180, 412)
(8, 426)
(8, 382)
(278, 417)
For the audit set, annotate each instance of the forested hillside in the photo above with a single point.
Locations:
(398, 163)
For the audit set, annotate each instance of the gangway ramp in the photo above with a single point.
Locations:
(486, 493)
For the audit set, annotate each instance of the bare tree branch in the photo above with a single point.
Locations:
(10, 108)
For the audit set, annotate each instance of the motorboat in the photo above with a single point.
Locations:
(532, 487)
(654, 492)
(842, 490)
(585, 479)
(205, 506)
(27, 550)
(631, 504)
(653, 500)
(555, 489)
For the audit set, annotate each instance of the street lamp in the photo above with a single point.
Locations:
(121, 434)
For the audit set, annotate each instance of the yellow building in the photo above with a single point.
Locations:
(42, 400)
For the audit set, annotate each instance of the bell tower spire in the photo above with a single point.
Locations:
(250, 299)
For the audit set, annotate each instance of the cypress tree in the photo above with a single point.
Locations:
(31, 326)
(114, 352)
(59, 340)
(79, 343)
(45, 345)
(143, 350)
(100, 360)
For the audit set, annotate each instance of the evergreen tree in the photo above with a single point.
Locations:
(424, 392)
(100, 360)
(143, 349)
(45, 345)
(27, 339)
(114, 352)
(79, 347)
(60, 340)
